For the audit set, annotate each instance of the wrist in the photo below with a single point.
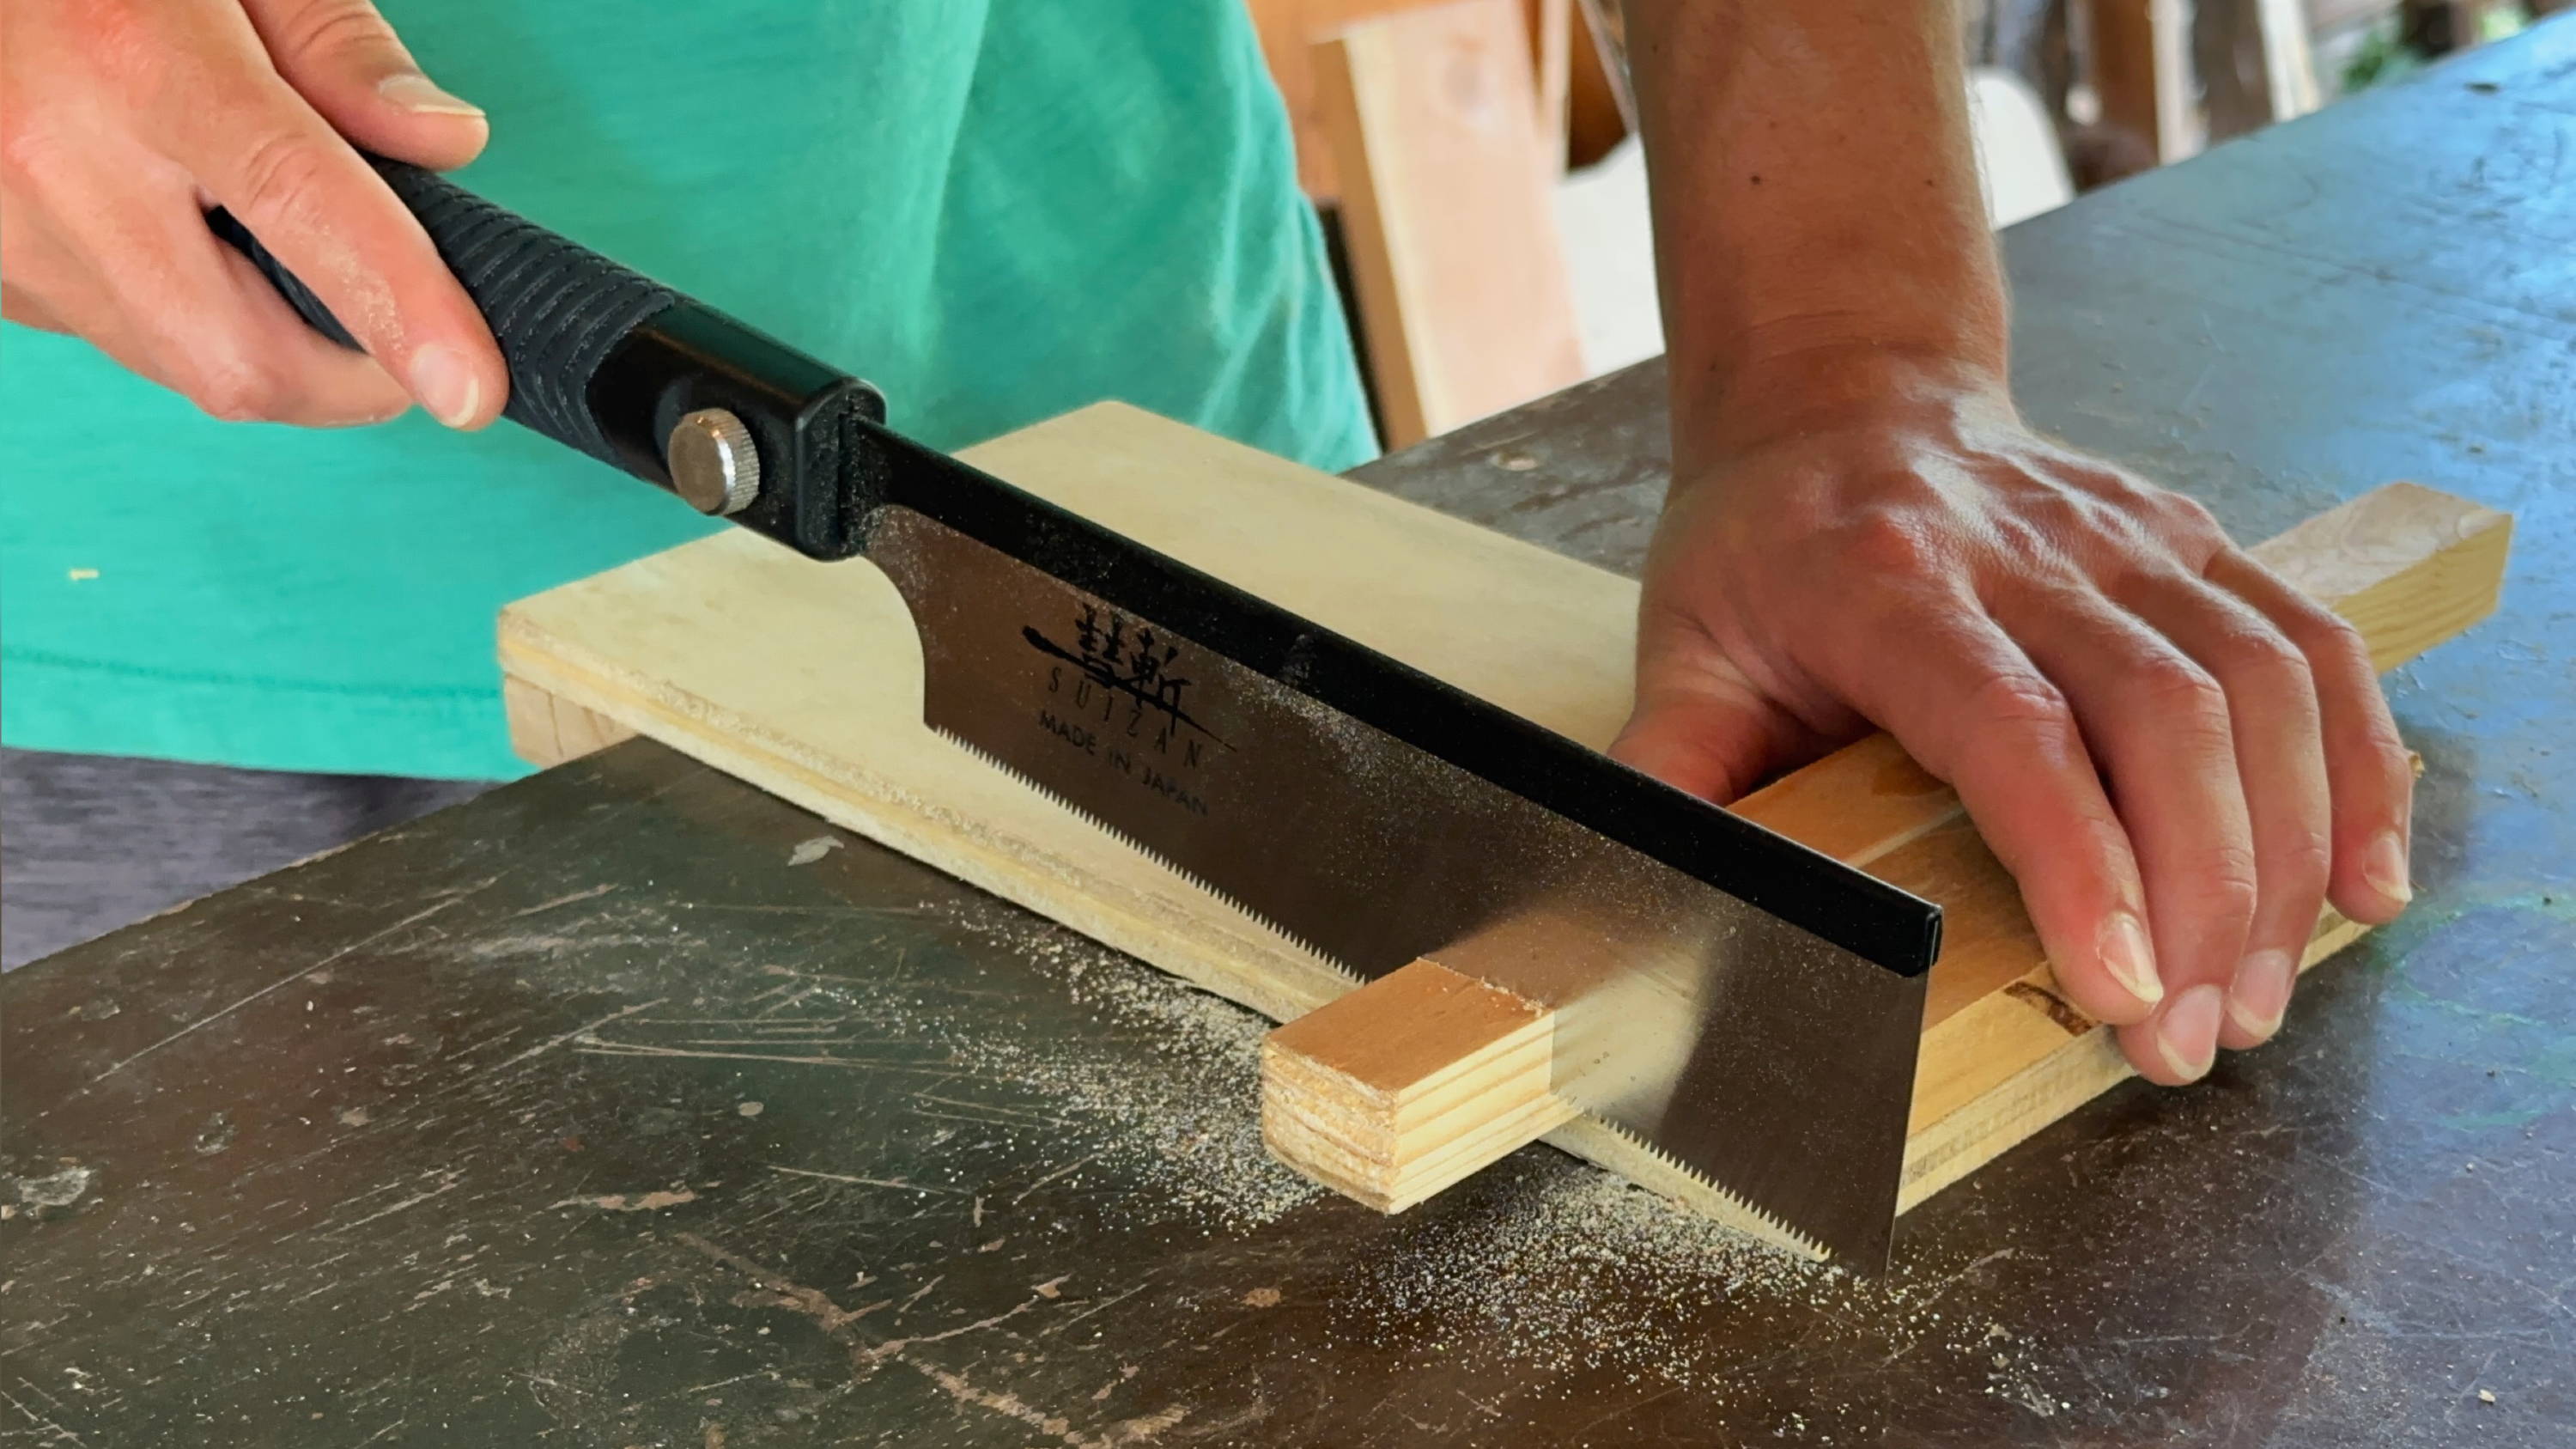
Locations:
(1791, 387)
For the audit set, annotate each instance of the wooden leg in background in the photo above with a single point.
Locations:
(1551, 36)
(2140, 63)
(2439, 27)
(546, 731)
(1448, 214)
(1600, 111)
(2254, 62)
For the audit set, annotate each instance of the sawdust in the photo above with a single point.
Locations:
(1189, 1130)
(58, 1189)
(618, 1202)
(1566, 1268)
(1553, 1265)
(809, 851)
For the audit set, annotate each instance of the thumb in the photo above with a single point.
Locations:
(346, 62)
(1716, 739)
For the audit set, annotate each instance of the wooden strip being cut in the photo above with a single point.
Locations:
(805, 679)
(1391, 1117)
(2003, 1052)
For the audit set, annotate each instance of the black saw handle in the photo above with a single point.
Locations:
(609, 361)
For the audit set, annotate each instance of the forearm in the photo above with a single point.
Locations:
(1817, 218)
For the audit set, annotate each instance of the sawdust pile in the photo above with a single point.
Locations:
(1566, 1268)
(1543, 1262)
(1189, 1130)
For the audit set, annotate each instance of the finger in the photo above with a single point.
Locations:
(2281, 767)
(1974, 710)
(2370, 778)
(2158, 725)
(278, 167)
(326, 385)
(1700, 726)
(341, 56)
(155, 290)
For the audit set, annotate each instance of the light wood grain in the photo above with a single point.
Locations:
(2289, 60)
(1390, 1118)
(2142, 71)
(1448, 214)
(546, 729)
(804, 679)
(2003, 1051)
(1568, 80)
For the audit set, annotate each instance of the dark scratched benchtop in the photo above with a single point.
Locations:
(579, 1115)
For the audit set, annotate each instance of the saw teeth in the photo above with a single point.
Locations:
(1741, 1215)
(1286, 936)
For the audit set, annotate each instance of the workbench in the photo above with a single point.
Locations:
(626, 1105)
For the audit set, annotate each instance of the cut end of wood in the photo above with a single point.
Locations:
(1408, 1084)
(2409, 566)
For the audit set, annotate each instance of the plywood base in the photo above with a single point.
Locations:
(804, 679)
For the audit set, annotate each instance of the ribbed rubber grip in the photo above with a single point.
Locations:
(556, 307)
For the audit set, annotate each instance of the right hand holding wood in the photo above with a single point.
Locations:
(128, 119)
(2179, 757)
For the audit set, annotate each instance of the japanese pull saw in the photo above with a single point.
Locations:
(1746, 1006)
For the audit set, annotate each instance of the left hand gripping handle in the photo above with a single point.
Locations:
(556, 307)
(608, 361)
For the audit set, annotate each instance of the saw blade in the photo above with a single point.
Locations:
(1764, 1055)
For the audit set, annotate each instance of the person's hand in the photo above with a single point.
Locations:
(128, 119)
(2176, 754)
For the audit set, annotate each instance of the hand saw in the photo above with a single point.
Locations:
(1745, 1005)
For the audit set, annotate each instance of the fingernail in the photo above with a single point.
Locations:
(2261, 993)
(445, 384)
(413, 92)
(2131, 959)
(2187, 1036)
(2385, 868)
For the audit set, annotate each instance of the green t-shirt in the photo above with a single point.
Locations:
(996, 210)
